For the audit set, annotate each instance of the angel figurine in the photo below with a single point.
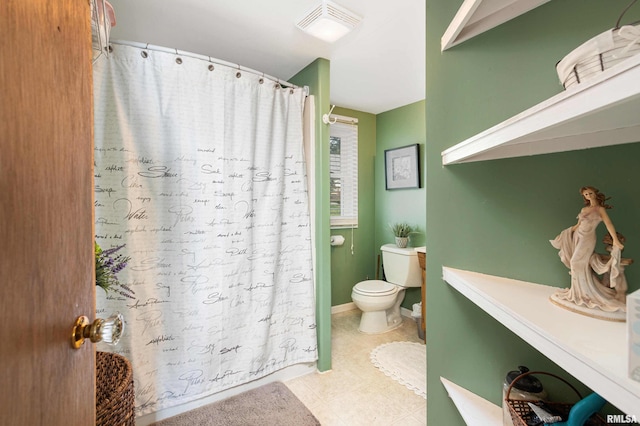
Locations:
(598, 285)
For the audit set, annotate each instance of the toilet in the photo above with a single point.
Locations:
(380, 300)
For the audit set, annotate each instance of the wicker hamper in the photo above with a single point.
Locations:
(522, 414)
(114, 390)
(600, 53)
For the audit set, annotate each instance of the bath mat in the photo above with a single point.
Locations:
(271, 404)
(404, 362)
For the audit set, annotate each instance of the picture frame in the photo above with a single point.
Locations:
(402, 167)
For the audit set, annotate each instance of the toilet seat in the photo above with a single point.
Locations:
(375, 288)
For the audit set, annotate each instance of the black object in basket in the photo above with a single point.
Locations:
(523, 415)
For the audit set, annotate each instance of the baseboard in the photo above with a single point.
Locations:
(405, 312)
(352, 306)
(343, 308)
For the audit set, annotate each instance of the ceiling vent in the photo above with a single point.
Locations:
(328, 21)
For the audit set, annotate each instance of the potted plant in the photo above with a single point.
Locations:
(401, 231)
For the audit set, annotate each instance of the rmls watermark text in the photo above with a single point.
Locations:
(620, 419)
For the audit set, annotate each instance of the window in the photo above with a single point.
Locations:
(343, 172)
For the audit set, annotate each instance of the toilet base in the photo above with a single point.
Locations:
(377, 322)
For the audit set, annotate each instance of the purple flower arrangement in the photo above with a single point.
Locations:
(108, 264)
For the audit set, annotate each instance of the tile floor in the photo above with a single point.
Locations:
(355, 392)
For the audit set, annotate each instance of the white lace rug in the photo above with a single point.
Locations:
(404, 362)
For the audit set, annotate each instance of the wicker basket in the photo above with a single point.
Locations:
(114, 390)
(522, 414)
(600, 53)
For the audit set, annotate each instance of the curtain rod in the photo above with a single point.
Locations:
(343, 119)
(147, 46)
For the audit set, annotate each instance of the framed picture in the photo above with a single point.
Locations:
(402, 169)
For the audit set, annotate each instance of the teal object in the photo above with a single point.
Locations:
(582, 410)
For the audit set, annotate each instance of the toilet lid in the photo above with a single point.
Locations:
(375, 287)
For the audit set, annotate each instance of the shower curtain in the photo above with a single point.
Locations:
(200, 174)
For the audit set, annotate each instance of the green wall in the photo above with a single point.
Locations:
(376, 206)
(396, 128)
(346, 268)
(337, 270)
(497, 216)
(316, 76)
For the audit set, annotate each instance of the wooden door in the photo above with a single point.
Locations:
(46, 205)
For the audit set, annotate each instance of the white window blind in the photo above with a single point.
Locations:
(343, 171)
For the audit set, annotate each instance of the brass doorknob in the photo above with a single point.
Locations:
(101, 330)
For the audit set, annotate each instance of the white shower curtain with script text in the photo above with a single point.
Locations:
(200, 173)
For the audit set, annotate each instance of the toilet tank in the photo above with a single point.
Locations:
(401, 266)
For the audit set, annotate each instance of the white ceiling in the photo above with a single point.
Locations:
(378, 67)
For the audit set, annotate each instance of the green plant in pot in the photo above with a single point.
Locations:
(401, 231)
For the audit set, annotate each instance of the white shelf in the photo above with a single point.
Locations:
(475, 411)
(591, 350)
(477, 16)
(602, 111)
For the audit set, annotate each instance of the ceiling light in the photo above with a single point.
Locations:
(328, 21)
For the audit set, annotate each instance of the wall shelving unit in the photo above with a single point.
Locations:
(591, 350)
(600, 112)
(475, 411)
(477, 16)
